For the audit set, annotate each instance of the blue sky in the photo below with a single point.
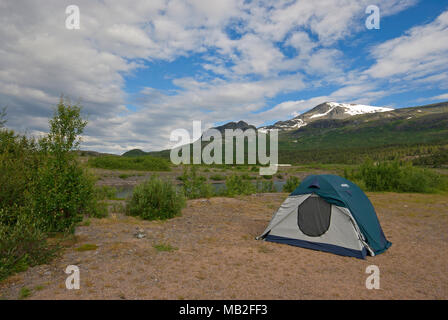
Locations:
(144, 68)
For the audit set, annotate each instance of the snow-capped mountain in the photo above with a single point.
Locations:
(326, 110)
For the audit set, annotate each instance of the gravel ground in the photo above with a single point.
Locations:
(213, 255)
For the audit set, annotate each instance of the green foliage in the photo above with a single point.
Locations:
(396, 176)
(155, 199)
(22, 243)
(63, 191)
(2, 117)
(291, 184)
(43, 190)
(24, 293)
(437, 159)
(134, 153)
(246, 176)
(265, 186)
(195, 186)
(105, 192)
(143, 163)
(236, 185)
(217, 177)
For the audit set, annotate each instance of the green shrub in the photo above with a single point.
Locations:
(246, 176)
(105, 192)
(142, 163)
(22, 243)
(265, 186)
(195, 186)
(43, 190)
(291, 184)
(236, 185)
(155, 199)
(397, 177)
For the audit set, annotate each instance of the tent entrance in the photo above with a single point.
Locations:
(314, 216)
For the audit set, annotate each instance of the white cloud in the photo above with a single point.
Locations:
(421, 52)
(441, 97)
(40, 60)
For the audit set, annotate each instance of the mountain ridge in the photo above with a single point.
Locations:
(326, 110)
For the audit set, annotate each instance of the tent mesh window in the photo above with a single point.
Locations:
(313, 216)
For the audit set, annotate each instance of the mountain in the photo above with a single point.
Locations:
(134, 153)
(235, 125)
(406, 132)
(343, 133)
(326, 110)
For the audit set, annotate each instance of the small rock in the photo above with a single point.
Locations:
(140, 233)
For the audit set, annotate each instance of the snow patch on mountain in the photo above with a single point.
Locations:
(326, 110)
(354, 109)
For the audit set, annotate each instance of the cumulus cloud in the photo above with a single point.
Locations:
(249, 53)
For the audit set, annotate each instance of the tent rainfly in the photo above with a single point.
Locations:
(331, 214)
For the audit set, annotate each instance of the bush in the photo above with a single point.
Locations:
(265, 186)
(396, 176)
(142, 163)
(291, 184)
(43, 189)
(155, 199)
(195, 186)
(22, 244)
(236, 185)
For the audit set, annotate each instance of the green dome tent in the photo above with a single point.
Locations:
(328, 213)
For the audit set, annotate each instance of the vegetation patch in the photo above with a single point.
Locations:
(194, 185)
(291, 184)
(265, 186)
(155, 199)
(24, 293)
(396, 176)
(142, 163)
(236, 185)
(164, 247)
(44, 190)
(217, 177)
(87, 247)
